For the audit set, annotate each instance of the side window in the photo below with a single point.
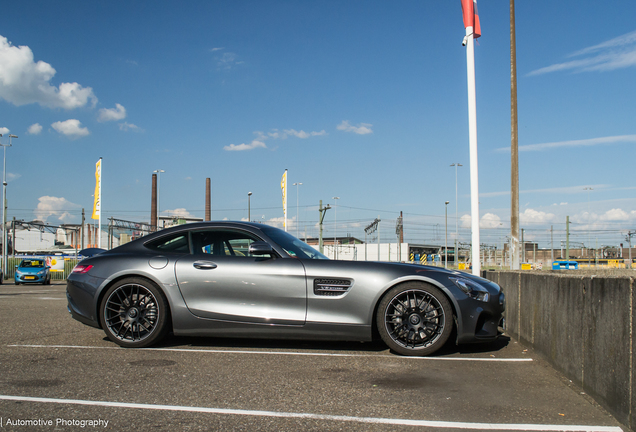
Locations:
(177, 243)
(223, 242)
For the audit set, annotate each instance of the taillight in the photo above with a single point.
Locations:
(80, 268)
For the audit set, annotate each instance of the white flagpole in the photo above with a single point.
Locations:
(472, 127)
(285, 201)
(99, 230)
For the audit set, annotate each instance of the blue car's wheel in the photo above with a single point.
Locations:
(415, 319)
(134, 313)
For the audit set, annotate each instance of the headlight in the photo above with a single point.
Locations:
(472, 288)
(40, 273)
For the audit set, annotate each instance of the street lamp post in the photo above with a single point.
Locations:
(335, 230)
(158, 192)
(446, 235)
(297, 215)
(4, 207)
(456, 165)
(249, 209)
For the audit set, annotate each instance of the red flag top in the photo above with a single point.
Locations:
(471, 18)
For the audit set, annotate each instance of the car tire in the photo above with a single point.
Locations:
(16, 282)
(415, 319)
(134, 313)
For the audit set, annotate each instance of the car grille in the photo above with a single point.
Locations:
(332, 287)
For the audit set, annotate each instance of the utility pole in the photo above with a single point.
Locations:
(514, 145)
(523, 247)
(399, 230)
(322, 211)
(12, 237)
(551, 244)
(567, 238)
(629, 241)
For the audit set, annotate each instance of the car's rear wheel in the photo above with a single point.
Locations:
(134, 313)
(415, 319)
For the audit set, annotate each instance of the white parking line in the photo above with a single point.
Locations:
(327, 417)
(289, 353)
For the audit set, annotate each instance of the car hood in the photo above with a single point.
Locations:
(29, 270)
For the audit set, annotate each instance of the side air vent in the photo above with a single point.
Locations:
(332, 287)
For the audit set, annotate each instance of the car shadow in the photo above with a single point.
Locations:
(376, 346)
(171, 341)
(451, 348)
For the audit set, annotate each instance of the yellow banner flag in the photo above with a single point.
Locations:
(97, 205)
(283, 188)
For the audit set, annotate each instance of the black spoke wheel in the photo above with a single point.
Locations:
(415, 319)
(133, 313)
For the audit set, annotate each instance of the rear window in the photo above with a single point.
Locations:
(177, 243)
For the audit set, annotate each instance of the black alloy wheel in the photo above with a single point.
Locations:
(415, 319)
(134, 313)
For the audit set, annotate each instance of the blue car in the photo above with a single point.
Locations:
(33, 270)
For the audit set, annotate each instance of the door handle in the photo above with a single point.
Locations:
(204, 265)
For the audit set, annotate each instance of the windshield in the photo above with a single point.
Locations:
(294, 247)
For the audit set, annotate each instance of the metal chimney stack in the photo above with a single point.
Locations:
(208, 199)
(153, 204)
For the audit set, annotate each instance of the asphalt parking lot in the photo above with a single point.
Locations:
(58, 374)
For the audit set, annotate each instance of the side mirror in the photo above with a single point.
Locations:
(260, 248)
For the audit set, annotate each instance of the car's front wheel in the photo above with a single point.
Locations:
(415, 319)
(134, 313)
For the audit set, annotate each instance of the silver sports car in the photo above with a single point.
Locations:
(237, 279)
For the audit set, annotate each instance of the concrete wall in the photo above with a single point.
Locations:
(582, 325)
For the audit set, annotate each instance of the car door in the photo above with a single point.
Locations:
(221, 280)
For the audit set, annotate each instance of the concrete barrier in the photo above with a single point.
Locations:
(583, 325)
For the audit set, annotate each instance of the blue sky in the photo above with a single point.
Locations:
(364, 100)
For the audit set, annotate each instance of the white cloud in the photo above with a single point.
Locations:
(275, 134)
(129, 126)
(615, 215)
(228, 61)
(11, 176)
(617, 53)
(361, 129)
(489, 220)
(557, 190)
(52, 206)
(179, 212)
(575, 143)
(24, 81)
(302, 134)
(72, 128)
(216, 49)
(34, 129)
(242, 147)
(534, 216)
(4, 131)
(112, 114)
